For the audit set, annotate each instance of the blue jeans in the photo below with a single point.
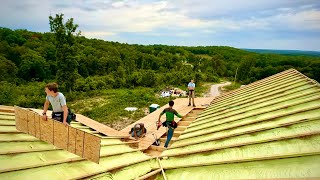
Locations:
(169, 135)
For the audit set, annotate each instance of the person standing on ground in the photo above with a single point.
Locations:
(169, 123)
(191, 87)
(58, 103)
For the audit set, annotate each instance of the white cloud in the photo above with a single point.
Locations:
(97, 34)
(108, 19)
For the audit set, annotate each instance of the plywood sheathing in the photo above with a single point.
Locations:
(100, 127)
(61, 135)
(90, 123)
(79, 142)
(181, 106)
(91, 148)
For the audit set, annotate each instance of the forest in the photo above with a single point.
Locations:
(82, 66)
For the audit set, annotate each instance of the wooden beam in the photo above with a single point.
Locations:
(164, 175)
(99, 127)
(150, 174)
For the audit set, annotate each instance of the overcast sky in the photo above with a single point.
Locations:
(260, 24)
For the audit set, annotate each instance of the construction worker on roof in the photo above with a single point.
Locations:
(58, 102)
(138, 131)
(169, 123)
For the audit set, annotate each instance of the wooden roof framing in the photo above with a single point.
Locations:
(269, 129)
(276, 119)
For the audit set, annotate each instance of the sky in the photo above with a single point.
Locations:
(257, 24)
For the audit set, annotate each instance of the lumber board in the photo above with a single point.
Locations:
(17, 138)
(47, 158)
(31, 124)
(258, 84)
(7, 123)
(266, 89)
(260, 98)
(150, 120)
(98, 126)
(119, 163)
(243, 97)
(46, 130)
(247, 113)
(314, 105)
(306, 168)
(21, 120)
(6, 117)
(72, 140)
(271, 150)
(250, 128)
(61, 135)
(7, 114)
(13, 147)
(264, 98)
(91, 150)
(303, 129)
(79, 142)
(251, 90)
(112, 150)
(8, 109)
(227, 112)
(150, 174)
(9, 129)
(37, 119)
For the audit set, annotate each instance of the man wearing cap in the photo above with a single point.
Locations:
(138, 130)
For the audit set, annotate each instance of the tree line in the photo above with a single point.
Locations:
(80, 64)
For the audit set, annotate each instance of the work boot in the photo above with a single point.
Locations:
(189, 104)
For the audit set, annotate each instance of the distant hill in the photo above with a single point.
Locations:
(285, 52)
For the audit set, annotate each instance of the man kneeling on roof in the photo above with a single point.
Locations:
(138, 131)
(169, 123)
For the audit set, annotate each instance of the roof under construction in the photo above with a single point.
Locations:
(269, 129)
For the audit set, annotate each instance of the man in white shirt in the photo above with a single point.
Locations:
(191, 87)
(58, 103)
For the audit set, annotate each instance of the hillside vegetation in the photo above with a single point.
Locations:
(28, 60)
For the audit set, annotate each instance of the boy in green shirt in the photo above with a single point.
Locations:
(170, 112)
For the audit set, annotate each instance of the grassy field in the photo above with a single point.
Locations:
(108, 106)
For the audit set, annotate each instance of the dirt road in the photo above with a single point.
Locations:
(214, 91)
